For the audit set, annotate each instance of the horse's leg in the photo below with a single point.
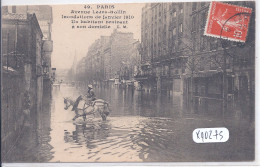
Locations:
(101, 113)
(76, 116)
(66, 105)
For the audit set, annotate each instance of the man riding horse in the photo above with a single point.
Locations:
(88, 104)
(88, 98)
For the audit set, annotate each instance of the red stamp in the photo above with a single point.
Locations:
(228, 21)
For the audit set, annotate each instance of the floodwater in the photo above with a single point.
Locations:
(142, 127)
(137, 127)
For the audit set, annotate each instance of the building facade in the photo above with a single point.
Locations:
(223, 71)
(21, 55)
(178, 58)
(24, 70)
(110, 57)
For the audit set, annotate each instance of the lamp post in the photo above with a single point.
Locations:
(53, 74)
(45, 68)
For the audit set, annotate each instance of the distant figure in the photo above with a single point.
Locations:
(89, 97)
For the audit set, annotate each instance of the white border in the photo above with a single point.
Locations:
(182, 164)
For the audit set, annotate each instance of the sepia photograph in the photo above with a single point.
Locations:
(128, 82)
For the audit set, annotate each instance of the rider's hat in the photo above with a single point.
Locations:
(90, 86)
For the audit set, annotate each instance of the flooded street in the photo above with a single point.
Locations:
(134, 131)
(141, 127)
(128, 82)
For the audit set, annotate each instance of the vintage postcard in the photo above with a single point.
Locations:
(128, 82)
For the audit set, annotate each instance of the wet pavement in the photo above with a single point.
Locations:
(142, 127)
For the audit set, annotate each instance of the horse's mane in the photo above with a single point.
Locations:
(68, 99)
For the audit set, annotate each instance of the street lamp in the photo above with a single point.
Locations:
(53, 70)
(45, 68)
(42, 70)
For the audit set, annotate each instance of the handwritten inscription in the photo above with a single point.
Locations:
(210, 135)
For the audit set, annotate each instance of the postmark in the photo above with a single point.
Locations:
(228, 21)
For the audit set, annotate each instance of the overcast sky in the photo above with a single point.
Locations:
(67, 41)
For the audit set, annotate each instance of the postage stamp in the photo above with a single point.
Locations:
(228, 21)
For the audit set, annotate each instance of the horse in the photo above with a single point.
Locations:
(89, 108)
(68, 102)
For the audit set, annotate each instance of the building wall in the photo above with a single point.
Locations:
(109, 57)
(44, 16)
(163, 41)
(12, 114)
(121, 49)
(22, 89)
(175, 50)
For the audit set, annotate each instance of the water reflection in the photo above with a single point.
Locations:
(123, 139)
(131, 102)
(87, 132)
(33, 144)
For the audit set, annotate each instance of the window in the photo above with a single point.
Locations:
(165, 70)
(181, 9)
(203, 4)
(213, 44)
(194, 5)
(180, 28)
(13, 9)
(194, 41)
(173, 46)
(203, 43)
(174, 31)
(203, 20)
(228, 63)
(164, 31)
(159, 48)
(174, 14)
(179, 44)
(193, 27)
(201, 64)
(213, 63)
(225, 44)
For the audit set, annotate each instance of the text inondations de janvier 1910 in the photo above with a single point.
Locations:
(98, 17)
